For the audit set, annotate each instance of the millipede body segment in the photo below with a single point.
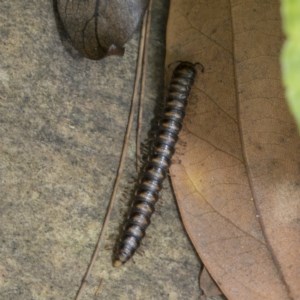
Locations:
(157, 167)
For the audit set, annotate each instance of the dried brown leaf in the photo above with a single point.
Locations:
(238, 182)
(99, 28)
(208, 285)
(271, 142)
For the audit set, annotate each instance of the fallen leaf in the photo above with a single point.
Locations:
(271, 141)
(237, 185)
(100, 28)
(208, 285)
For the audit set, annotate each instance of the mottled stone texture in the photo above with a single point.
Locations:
(62, 121)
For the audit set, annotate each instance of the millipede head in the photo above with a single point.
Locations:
(186, 64)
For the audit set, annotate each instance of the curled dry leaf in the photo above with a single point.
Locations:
(208, 285)
(100, 28)
(237, 185)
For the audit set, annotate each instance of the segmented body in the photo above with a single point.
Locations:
(157, 167)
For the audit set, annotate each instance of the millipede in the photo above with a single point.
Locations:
(157, 166)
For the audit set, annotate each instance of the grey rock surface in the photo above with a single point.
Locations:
(62, 122)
